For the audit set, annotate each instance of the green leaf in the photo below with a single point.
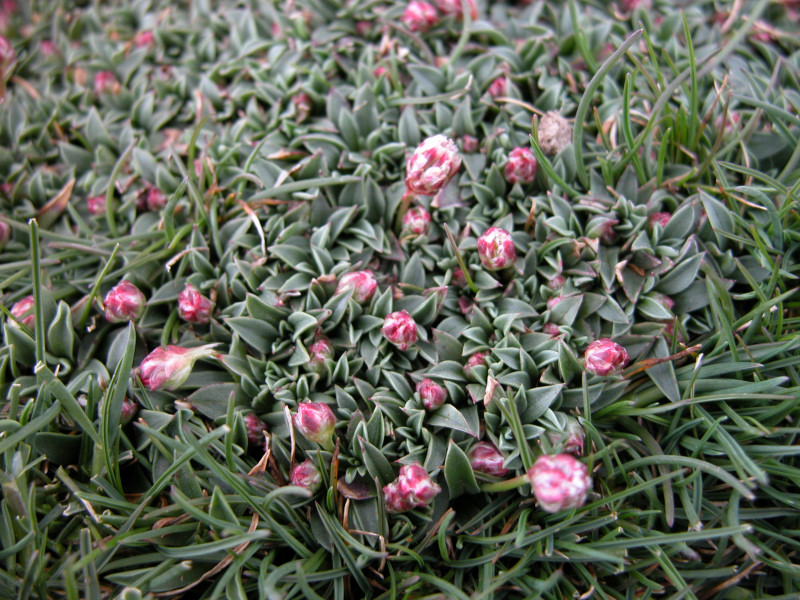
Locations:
(458, 472)
(449, 417)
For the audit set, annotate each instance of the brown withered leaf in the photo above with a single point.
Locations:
(53, 209)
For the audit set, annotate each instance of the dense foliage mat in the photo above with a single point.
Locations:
(236, 160)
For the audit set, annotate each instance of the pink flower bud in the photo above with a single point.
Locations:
(7, 56)
(552, 330)
(400, 329)
(433, 395)
(419, 16)
(667, 302)
(485, 458)
(306, 475)
(557, 282)
(496, 249)
(432, 165)
(604, 357)
(169, 368)
(470, 144)
(255, 429)
(453, 7)
(559, 482)
(156, 199)
(659, 218)
(555, 133)
(105, 82)
(499, 87)
(315, 420)
(572, 438)
(413, 488)
(22, 310)
(193, 307)
(417, 221)
(554, 301)
(96, 204)
(477, 359)
(362, 282)
(521, 166)
(459, 279)
(378, 71)
(124, 302)
(5, 234)
(320, 351)
(128, 411)
(144, 39)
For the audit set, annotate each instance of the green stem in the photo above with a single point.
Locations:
(504, 486)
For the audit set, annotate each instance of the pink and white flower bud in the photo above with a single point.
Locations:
(22, 310)
(105, 82)
(557, 282)
(459, 279)
(96, 205)
(604, 357)
(552, 330)
(496, 249)
(485, 458)
(400, 329)
(302, 105)
(5, 234)
(362, 282)
(417, 220)
(320, 352)
(7, 56)
(156, 199)
(477, 359)
(255, 429)
(453, 7)
(432, 394)
(499, 87)
(660, 218)
(413, 488)
(419, 16)
(144, 39)
(128, 411)
(124, 302)
(521, 166)
(470, 144)
(434, 163)
(555, 133)
(315, 420)
(193, 307)
(306, 475)
(572, 438)
(559, 482)
(169, 368)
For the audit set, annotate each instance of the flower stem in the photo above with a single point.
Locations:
(504, 486)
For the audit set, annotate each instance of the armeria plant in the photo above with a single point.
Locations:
(388, 299)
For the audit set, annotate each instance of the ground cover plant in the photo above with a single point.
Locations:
(387, 299)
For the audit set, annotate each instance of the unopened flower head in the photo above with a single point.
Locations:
(22, 310)
(660, 218)
(194, 307)
(362, 282)
(454, 7)
(475, 360)
(496, 249)
(96, 204)
(555, 133)
(315, 420)
(156, 199)
(419, 16)
(470, 144)
(169, 368)
(413, 488)
(306, 475)
(521, 166)
(5, 234)
(604, 357)
(127, 411)
(559, 482)
(400, 329)
(7, 56)
(432, 394)
(144, 39)
(255, 429)
(435, 162)
(417, 220)
(124, 302)
(105, 82)
(571, 439)
(485, 458)
(499, 87)
(320, 352)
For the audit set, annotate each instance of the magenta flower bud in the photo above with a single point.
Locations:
(470, 144)
(498, 87)
(559, 482)
(557, 282)
(521, 166)
(477, 359)
(105, 82)
(315, 420)
(320, 351)
(485, 458)
(306, 475)
(417, 221)
(255, 429)
(378, 71)
(362, 282)
(659, 218)
(144, 39)
(413, 488)
(7, 56)
(5, 234)
(400, 329)
(22, 310)
(432, 394)
(169, 368)
(128, 411)
(48, 48)
(453, 7)
(193, 307)
(555, 133)
(572, 438)
(459, 279)
(124, 302)
(554, 301)
(604, 357)
(552, 330)
(419, 16)
(496, 249)
(96, 205)
(156, 199)
(432, 165)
